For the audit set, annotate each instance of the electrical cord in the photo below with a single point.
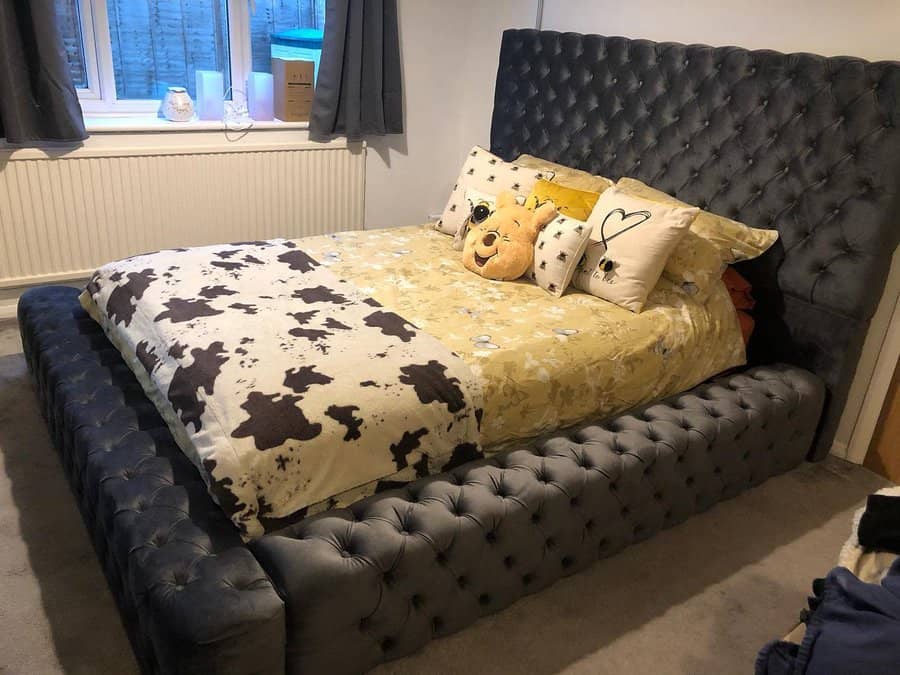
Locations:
(236, 115)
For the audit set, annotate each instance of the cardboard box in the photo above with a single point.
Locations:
(293, 89)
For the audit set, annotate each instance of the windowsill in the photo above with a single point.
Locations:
(138, 124)
(136, 136)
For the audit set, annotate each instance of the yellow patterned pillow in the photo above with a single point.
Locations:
(713, 243)
(566, 175)
(694, 266)
(570, 202)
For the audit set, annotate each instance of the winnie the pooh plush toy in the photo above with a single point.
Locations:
(502, 246)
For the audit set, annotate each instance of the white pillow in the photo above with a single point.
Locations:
(641, 235)
(487, 173)
(558, 249)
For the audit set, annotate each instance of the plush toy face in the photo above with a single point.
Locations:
(502, 246)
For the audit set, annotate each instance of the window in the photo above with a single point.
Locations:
(124, 54)
(273, 17)
(156, 45)
(70, 26)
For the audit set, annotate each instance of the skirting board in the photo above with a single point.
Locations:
(9, 296)
(839, 450)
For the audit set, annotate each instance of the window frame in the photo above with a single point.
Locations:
(89, 52)
(99, 98)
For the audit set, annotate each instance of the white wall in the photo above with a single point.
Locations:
(449, 51)
(866, 28)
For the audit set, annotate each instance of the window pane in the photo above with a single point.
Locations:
(158, 44)
(70, 27)
(277, 16)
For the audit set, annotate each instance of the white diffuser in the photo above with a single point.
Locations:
(177, 105)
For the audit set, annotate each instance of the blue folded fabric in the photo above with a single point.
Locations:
(853, 629)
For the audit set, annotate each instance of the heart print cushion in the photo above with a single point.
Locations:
(631, 240)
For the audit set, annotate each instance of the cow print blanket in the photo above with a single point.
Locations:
(285, 385)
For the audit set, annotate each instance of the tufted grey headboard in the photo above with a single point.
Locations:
(805, 144)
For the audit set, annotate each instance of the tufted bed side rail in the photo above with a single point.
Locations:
(805, 144)
(381, 578)
(193, 598)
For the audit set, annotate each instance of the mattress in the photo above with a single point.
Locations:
(545, 363)
(302, 375)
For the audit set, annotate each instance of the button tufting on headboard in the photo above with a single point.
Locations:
(802, 143)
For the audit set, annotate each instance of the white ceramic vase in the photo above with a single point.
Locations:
(177, 105)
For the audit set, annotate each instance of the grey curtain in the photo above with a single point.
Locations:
(358, 92)
(37, 99)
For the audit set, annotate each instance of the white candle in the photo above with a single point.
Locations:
(210, 95)
(260, 87)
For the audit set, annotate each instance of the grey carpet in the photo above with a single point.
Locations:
(700, 598)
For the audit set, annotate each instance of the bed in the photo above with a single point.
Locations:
(801, 143)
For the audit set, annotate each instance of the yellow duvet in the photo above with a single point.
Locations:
(544, 363)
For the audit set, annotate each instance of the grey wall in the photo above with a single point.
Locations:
(450, 52)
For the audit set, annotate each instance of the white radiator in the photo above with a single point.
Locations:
(61, 217)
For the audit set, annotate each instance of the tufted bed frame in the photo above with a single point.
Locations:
(806, 144)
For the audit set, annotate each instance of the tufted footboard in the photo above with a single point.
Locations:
(193, 598)
(380, 579)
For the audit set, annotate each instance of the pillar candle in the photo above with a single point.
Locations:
(259, 96)
(210, 95)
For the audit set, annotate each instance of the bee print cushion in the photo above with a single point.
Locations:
(480, 206)
(630, 241)
(557, 252)
(485, 172)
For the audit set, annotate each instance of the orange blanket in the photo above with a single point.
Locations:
(740, 290)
